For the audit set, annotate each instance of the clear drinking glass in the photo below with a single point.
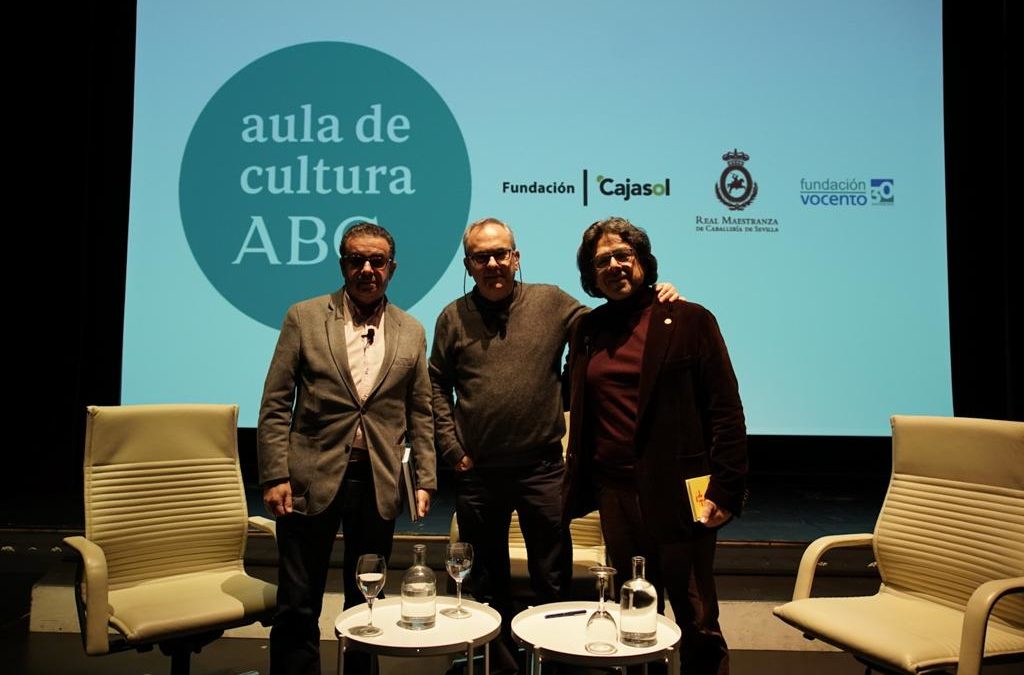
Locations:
(458, 560)
(602, 633)
(370, 571)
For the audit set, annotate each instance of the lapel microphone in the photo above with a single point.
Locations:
(369, 335)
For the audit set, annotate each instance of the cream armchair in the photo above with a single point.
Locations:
(165, 532)
(949, 543)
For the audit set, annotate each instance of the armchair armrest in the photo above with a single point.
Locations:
(93, 608)
(979, 607)
(264, 525)
(813, 554)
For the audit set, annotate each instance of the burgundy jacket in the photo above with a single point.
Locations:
(690, 419)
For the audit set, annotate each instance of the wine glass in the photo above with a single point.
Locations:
(458, 560)
(601, 630)
(370, 572)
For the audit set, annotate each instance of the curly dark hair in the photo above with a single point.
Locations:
(635, 236)
(365, 229)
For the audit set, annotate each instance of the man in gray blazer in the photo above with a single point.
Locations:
(347, 389)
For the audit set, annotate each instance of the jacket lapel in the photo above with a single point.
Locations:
(335, 325)
(664, 319)
(392, 335)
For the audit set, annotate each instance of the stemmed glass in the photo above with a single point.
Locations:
(601, 630)
(458, 560)
(370, 572)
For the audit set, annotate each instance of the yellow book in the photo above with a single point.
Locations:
(695, 489)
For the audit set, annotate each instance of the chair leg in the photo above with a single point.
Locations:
(181, 661)
(181, 649)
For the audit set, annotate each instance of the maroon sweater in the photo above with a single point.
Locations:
(613, 387)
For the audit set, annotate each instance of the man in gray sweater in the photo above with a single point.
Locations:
(499, 350)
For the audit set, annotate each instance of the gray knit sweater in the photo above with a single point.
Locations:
(503, 364)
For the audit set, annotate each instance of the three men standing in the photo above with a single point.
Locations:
(348, 387)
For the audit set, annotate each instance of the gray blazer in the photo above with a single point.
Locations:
(310, 407)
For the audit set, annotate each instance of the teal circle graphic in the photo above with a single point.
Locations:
(301, 143)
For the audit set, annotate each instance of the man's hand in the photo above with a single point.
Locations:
(712, 516)
(464, 464)
(422, 502)
(278, 498)
(668, 293)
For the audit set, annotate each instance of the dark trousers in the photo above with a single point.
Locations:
(304, 550)
(485, 499)
(684, 569)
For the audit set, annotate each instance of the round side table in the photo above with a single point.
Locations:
(563, 638)
(448, 636)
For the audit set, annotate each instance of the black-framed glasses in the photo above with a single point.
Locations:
(357, 262)
(481, 258)
(623, 256)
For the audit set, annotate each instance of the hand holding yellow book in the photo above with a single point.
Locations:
(695, 489)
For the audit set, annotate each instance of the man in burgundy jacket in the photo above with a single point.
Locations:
(654, 401)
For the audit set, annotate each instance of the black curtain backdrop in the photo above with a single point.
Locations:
(74, 99)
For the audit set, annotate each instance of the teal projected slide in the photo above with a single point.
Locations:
(786, 159)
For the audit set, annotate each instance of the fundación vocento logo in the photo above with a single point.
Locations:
(736, 187)
(303, 142)
(847, 192)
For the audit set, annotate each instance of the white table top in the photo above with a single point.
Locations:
(565, 637)
(447, 636)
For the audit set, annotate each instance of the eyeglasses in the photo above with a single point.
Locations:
(357, 262)
(500, 256)
(623, 256)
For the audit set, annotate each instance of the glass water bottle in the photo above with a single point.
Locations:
(419, 593)
(638, 617)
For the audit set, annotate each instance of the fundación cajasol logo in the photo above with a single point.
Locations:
(606, 186)
(627, 188)
(847, 192)
(624, 188)
(736, 187)
(303, 142)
